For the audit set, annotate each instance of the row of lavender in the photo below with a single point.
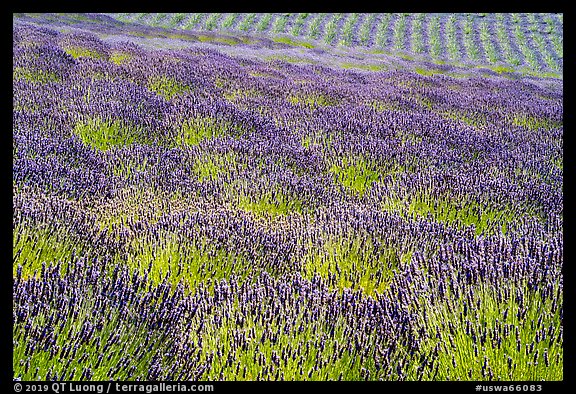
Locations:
(250, 220)
(528, 40)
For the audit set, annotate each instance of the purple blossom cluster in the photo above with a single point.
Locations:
(308, 266)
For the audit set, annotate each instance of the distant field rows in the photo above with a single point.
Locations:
(517, 40)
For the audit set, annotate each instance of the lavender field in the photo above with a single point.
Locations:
(527, 42)
(218, 201)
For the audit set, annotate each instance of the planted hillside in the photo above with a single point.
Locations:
(203, 207)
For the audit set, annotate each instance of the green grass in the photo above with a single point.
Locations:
(417, 44)
(356, 263)
(159, 19)
(539, 36)
(382, 31)
(219, 39)
(120, 339)
(469, 44)
(502, 69)
(535, 123)
(119, 58)
(347, 30)
(105, 134)
(274, 203)
(34, 246)
(356, 175)
(268, 337)
(78, 52)
(128, 168)
(451, 39)
(366, 28)
(313, 99)
(210, 167)
(34, 76)
(504, 41)
(492, 312)
(189, 262)
(196, 130)
(486, 40)
(177, 19)
(211, 22)
(166, 87)
(384, 105)
(230, 20)
(194, 20)
(434, 37)
(290, 59)
(474, 119)
(237, 95)
(426, 72)
(460, 213)
(359, 66)
(291, 42)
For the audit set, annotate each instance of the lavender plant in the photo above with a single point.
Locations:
(197, 214)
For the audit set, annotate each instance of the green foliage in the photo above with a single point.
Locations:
(158, 19)
(274, 203)
(289, 41)
(502, 69)
(280, 23)
(534, 123)
(356, 175)
(298, 23)
(166, 87)
(357, 263)
(434, 37)
(212, 21)
(366, 29)
(264, 22)
(474, 119)
(177, 19)
(342, 365)
(247, 22)
(33, 246)
(367, 67)
(486, 218)
(425, 72)
(399, 32)
(314, 28)
(467, 357)
(486, 39)
(190, 262)
(105, 134)
(417, 43)
(120, 336)
(195, 18)
(539, 40)
(34, 75)
(119, 58)
(210, 167)
(330, 32)
(196, 130)
(452, 41)
(348, 30)
(78, 52)
(313, 99)
(382, 31)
